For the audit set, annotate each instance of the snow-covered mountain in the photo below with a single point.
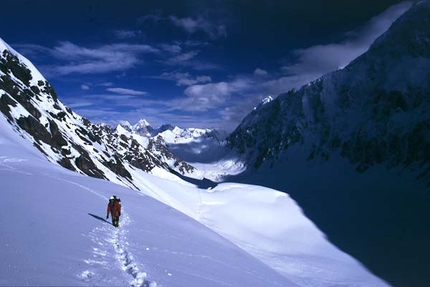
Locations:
(357, 141)
(54, 231)
(30, 104)
(142, 127)
(178, 135)
(173, 134)
(264, 101)
(373, 111)
(183, 148)
(178, 144)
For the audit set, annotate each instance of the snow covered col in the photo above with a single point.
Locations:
(114, 208)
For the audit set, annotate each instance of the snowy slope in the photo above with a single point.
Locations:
(50, 238)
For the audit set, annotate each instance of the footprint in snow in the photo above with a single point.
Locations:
(105, 238)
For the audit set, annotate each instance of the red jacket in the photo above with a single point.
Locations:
(114, 209)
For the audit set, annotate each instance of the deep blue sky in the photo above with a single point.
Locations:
(194, 63)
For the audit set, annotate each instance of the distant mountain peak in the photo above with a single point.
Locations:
(142, 123)
(125, 125)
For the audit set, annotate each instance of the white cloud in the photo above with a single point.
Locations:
(106, 84)
(188, 24)
(173, 49)
(260, 72)
(181, 58)
(211, 96)
(209, 91)
(184, 55)
(98, 60)
(123, 91)
(185, 82)
(204, 79)
(127, 34)
(85, 87)
(32, 50)
(70, 51)
(192, 25)
(185, 79)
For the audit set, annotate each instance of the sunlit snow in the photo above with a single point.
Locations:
(54, 233)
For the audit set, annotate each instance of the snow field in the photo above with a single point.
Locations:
(50, 237)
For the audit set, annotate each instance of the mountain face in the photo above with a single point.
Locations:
(353, 149)
(31, 105)
(372, 112)
(179, 145)
(170, 134)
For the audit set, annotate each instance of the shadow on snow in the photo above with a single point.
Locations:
(200, 183)
(99, 218)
